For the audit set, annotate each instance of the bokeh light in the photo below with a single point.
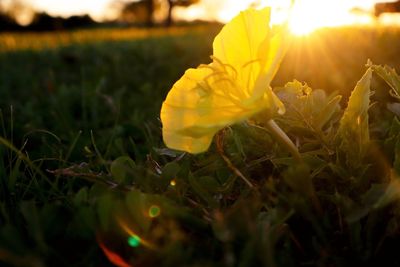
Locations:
(134, 241)
(154, 211)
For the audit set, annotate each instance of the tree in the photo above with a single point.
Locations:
(386, 7)
(7, 20)
(174, 3)
(138, 12)
(19, 10)
(142, 11)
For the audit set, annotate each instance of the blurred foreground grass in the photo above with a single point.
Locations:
(79, 115)
(14, 41)
(112, 81)
(95, 82)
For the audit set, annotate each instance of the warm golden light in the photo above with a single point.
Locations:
(389, 19)
(304, 16)
(308, 15)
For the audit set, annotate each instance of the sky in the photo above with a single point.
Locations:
(66, 7)
(222, 10)
(227, 7)
(97, 8)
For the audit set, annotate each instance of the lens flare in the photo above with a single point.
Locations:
(154, 211)
(112, 256)
(133, 237)
(134, 241)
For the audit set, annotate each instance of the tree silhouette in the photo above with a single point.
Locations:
(173, 3)
(18, 10)
(7, 22)
(138, 12)
(386, 7)
(142, 11)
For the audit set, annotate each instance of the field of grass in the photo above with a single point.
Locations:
(83, 170)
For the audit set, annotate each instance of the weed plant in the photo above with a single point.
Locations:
(86, 181)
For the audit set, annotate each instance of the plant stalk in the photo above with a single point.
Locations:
(283, 139)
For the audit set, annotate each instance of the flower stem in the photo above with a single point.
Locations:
(283, 139)
(220, 148)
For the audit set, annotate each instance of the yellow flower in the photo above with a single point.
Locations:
(234, 87)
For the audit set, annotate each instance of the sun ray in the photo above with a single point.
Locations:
(305, 16)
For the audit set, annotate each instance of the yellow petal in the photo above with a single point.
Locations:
(239, 41)
(187, 143)
(181, 107)
(254, 49)
(234, 87)
(196, 108)
(271, 56)
(244, 43)
(186, 103)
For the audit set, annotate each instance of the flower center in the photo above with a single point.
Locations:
(223, 82)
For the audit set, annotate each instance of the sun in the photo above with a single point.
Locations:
(303, 19)
(308, 15)
(303, 16)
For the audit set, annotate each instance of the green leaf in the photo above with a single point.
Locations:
(394, 107)
(327, 112)
(209, 183)
(370, 198)
(31, 216)
(14, 174)
(396, 163)
(353, 130)
(307, 110)
(121, 168)
(105, 205)
(11, 238)
(81, 197)
(392, 144)
(138, 206)
(395, 128)
(390, 76)
(83, 224)
(202, 191)
(392, 193)
(167, 152)
(297, 176)
(169, 172)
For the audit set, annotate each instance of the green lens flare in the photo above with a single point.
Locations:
(154, 211)
(134, 241)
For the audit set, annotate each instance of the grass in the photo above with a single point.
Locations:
(82, 158)
(106, 86)
(50, 40)
(89, 102)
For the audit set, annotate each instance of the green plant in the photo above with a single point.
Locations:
(69, 194)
